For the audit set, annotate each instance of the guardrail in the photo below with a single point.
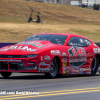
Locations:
(97, 43)
(12, 43)
(7, 43)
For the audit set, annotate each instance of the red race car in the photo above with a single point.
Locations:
(52, 54)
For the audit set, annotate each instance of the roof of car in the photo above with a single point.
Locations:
(66, 34)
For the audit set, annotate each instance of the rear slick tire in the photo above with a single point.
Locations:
(6, 74)
(94, 65)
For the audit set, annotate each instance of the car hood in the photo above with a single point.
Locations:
(27, 47)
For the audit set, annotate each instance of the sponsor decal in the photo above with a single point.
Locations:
(44, 64)
(76, 72)
(64, 72)
(23, 48)
(41, 58)
(81, 69)
(84, 72)
(88, 72)
(64, 68)
(47, 57)
(4, 49)
(87, 69)
(80, 72)
(64, 59)
(43, 69)
(64, 64)
(35, 44)
(94, 44)
(68, 68)
(77, 56)
(72, 72)
(13, 60)
(64, 54)
(3, 60)
(96, 50)
(73, 69)
(10, 60)
(67, 71)
(55, 52)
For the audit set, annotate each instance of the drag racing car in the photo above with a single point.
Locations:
(52, 54)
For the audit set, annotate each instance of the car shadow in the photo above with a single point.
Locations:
(42, 76)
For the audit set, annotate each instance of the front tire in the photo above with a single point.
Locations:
(53, 69)
(6, 74)
(94, 65)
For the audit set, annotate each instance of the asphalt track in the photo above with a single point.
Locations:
(68, 87)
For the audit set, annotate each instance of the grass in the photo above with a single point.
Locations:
(11, 32)
(14, 15)
(18, 11)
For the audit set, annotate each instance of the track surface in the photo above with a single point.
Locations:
(69, 87)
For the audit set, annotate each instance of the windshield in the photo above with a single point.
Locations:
(56, 39)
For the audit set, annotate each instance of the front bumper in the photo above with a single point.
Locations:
(23, 65)
(16, 66)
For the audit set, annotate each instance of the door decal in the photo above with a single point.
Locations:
(77, 56)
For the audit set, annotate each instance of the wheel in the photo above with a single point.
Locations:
(53, 69)
(95, 65)
(6, 74)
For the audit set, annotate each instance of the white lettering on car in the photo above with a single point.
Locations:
(96, 50)
(55, 52)
(25, 48)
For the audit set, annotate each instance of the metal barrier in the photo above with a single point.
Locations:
(7, 43)
(97, 43)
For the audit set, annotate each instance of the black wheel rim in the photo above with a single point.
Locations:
(54, 68)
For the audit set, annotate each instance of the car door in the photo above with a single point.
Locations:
(79, 54)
